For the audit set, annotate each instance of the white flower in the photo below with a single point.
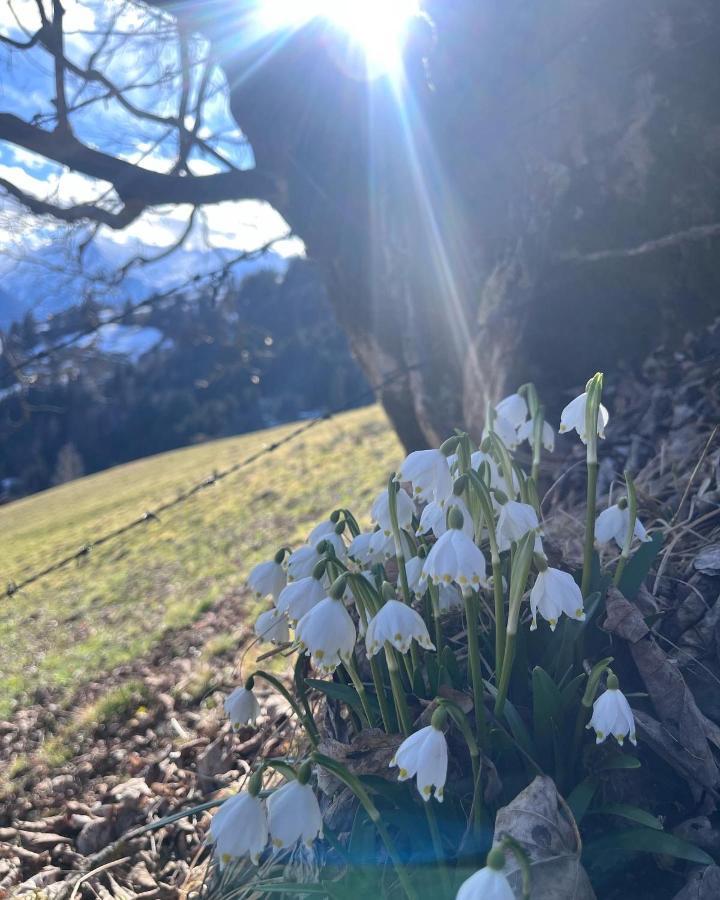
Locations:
(505, 430)
(449, 597)
(486, 884)
(398, 624)
(525, 433)
(272, 626)
(299, 597)
(513, 409)
(242, 707)
(240, 828)
(555, 592)
(325, 528)
(380, 512)
(573, 416)
(613, 522)
(429, 473)
(612, 715)
(267, 578)
(327, 633)
(434, 517)
(382, 546)
(497, 479)
(413, 570)
(455, 558)
(424, 754)
(302, 562)
(514, 521)
(360, 549)
(293, 814)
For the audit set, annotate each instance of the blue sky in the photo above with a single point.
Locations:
(142, 51)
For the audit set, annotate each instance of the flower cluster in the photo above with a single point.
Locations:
(451, 568)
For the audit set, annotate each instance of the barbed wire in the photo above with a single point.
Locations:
(132, 308)
(210, 480)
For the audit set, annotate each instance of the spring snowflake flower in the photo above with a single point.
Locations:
(267, 579)
(513, 409)
(497, 479)
(573, 416)
(240, 828)
(449, 597)
(612, 715)
(514, 521)
(429, 473)
(398, 624)
(413, 570)
(505, 430)
(360, 549)
(613, 522)
(327, 633)
(434, 517)
(301, 562)
(293, 814)
(455, 558)
(380, 511)
(525, 433)
(320, 531)
(424, 754)
(242, 707)
(299, 597)
(555, 592)
(489, 883)
(272, 626)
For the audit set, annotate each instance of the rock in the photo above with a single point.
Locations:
(708, 560)
(702, 885)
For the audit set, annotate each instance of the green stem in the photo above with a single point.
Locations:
(592, 476)
(352, 671)
(307, 722)
(458, 717)
(385, 712)
(475, 667)
(401, 708)
(508, 659)
(437, 846)
(435, 601)
(499, 614)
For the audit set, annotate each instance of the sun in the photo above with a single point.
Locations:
(376, 27)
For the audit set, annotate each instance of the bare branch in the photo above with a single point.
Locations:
(687, 235)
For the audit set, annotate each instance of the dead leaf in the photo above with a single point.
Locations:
(702, 885)
(540, 821)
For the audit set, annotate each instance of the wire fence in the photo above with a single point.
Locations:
(153, 515)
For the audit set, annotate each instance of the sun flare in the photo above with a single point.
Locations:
(377, 27)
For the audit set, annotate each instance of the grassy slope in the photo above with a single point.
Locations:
(78, 623)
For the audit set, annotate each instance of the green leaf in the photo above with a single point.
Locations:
(643, 840)
(581, 797)
(637, 569)
(627, 811)
(345, 693)
(547, 714)
(433, 674)
(419, 688)
(450, 663)
(619, 761)
(572, 692)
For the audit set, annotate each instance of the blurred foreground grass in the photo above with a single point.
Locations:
(78, 623)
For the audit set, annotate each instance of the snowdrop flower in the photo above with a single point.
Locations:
(573, 416)
(398, 624)
(489, 883)
(434, 517)
(294, 814)
(514, 521)
(613, 522)
(612, 714)
(302, 562)
(380, 512)
(272, 626)
(240, 828)
(267, 578)
(555, 592)
(360, 549)
(425, 754)
(513, 409)
(525, 433)
(429, 473)
(413, 570)
(455, 557)
(327, 633)
(382, 546)
(449, 597)
(299, 597)
(241, 706)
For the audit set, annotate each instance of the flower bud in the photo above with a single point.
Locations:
(340, 527)
(612, 681)
(455, 518)
(255, 783)
(439, 719)
(280, 555)
(250, 683)
(335, 516)
(460, 485)
(319, 570)
(495, 859)
(501, 497)
(338, 587)
(388, 591)
(304, 772)
(448, 447)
